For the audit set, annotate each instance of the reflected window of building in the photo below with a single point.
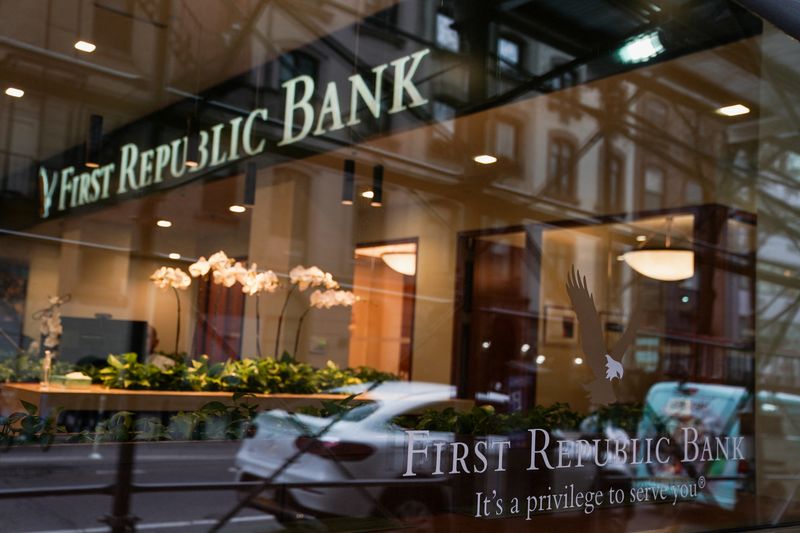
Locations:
(561, 167)
(653, 195)
(613, 187)
(506, 139)
(443, 114)
(446, 36)
(509, 53)
(694, 193)
(295, 64)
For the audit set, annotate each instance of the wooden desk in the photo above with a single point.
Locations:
(100, 399)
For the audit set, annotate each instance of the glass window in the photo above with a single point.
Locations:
(446, 36)
(508, 52)
(399, 264)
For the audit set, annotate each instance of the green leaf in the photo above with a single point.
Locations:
(29, 407)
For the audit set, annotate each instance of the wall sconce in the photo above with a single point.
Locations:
(663, 263)
(348, 181)
(94, 141)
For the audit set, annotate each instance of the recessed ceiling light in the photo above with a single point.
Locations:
(164, 223)
(16, 93)
(579, 360)
(641, 238)
(485, 159)
(733, 110)
(85, 46)
(368, 194)
(540, 359)
(237, 209)
(174, 255)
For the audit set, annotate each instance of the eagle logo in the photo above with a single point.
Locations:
(605, 365)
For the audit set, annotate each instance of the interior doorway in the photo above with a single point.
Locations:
(384, 281)
(496, 337)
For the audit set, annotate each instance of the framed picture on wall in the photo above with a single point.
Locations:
(560, 326)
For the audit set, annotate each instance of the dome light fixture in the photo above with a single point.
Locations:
(663, 263)
(403, 262)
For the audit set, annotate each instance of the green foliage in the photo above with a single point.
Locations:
(484, 420)
(214, 421)
(622, 415)
(284, 375)
(328, 408)
(28, 427)
(26, 367)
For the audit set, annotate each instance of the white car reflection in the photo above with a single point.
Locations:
(364, 444)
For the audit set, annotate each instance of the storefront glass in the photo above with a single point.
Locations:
(360, 266)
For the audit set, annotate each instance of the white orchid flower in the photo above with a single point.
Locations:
(311, 277)
(219, 260)
(331, 298)
(255, 282)
(200, 267)
(168, 277)
(225, 277)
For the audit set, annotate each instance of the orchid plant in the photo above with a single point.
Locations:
(303, 278)
(175, 279)
(228, 272)
(324, 300)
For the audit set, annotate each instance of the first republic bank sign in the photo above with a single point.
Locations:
(138, 170)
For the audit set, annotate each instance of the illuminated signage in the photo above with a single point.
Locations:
(138, 170)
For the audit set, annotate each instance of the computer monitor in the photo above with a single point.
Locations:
(90, 340)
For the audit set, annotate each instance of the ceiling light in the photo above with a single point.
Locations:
(661, 261)
(540, 359)
(641, 48)
(174, 255)
(403, 262)
(525, 348)
(237, 209)
(486, 345)
(368, 194)
(16, 93)
(641, 238)
(685, 299)
(663, 264)
(733, 110)
(485, 159)
(164, 223)
(579, 360)
(85, 46)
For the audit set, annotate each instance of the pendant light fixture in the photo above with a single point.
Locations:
(663, 263)
(377, 186)
(250, 175)
(348, 181)
(192, 144)
(93, 141)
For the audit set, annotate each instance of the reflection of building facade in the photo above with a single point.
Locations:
(449, 163)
